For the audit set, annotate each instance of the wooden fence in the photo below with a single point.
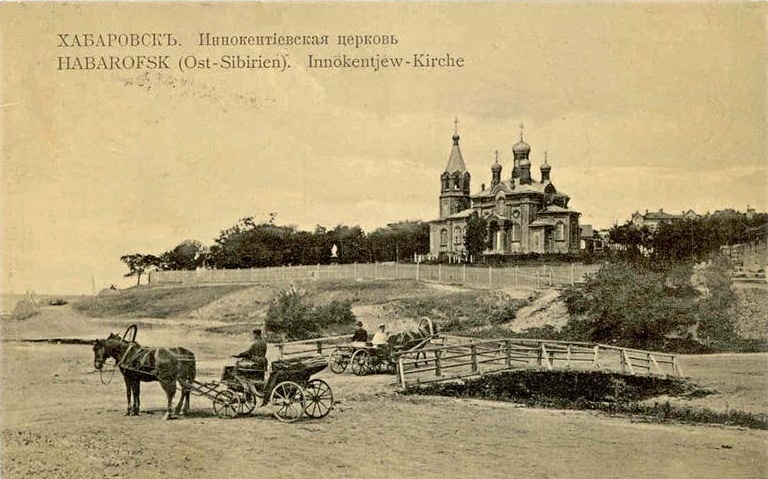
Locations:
(465, 357)
(449, 358)
(538, 276)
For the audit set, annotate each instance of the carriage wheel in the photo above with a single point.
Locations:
(251, 397)
(338, 360)
(249, 403)
(319, 399)
(227, 404)
(361, 362)
(287, 400)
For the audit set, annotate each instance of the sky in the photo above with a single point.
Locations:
(638, 106)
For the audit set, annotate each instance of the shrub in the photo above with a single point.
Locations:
(630, 305)
(26, 308)
(292, 314)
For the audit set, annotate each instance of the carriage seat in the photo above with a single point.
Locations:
(253, 370)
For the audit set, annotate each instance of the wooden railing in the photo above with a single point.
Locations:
(464, 357)
(321, 346)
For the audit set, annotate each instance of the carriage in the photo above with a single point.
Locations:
(289, 390)
(365, 358)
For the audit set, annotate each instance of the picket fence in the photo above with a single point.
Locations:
(538, 276)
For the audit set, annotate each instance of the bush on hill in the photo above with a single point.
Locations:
(24, 309)
(293, 315)
(633, 306)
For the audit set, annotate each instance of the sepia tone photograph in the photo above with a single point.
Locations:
(383, 239)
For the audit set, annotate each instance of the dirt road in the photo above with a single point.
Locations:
(58, 421)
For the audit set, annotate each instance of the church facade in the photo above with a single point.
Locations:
(522, 214)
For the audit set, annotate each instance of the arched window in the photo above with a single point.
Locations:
(458, 238)
(514, 232)
(500, 207)
(443, 237)
(559, 231)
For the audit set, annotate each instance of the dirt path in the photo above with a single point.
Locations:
(59, 422)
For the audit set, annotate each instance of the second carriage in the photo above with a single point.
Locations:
(366, 358)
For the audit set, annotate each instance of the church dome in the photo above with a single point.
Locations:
(546, 167)
(496, 166)
(521, 148)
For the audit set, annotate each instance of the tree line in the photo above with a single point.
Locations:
(690, 239)
(253, 244)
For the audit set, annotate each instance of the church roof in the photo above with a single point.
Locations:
(510, 188)
(459, 215)
(555, 209)
(455, 161)
(540, 223)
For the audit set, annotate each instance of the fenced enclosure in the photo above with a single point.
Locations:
(534, 276)
(465, 357)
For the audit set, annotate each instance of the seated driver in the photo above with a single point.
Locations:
(360, 335)
(255, 357)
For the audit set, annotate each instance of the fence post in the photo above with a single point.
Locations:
(623, 362)
(490, 275)
(545, 356)
(676, 367)
(568, 357)
(595, 360)
(508, 344)
(401, 372)
(538, 279)
(375, 270)
(417, 271)
(438, 363)
(473, 349)
(280, 350)
(320, 348)
(517, 272)
(572, 282)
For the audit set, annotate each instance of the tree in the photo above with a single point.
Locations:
(475, 236)
(187, 255)
(139, 263)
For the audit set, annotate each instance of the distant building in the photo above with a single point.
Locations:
(524, 215)
(591, 241)
(653, 219)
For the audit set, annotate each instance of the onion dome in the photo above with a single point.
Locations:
(496, 166)
(521, 148)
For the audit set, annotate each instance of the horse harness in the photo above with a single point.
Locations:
(142, 360)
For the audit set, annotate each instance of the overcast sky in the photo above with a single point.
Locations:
(638, 106)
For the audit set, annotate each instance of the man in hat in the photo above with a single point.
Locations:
(255, 357)
(360, 335)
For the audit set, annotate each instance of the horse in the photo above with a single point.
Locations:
(414, 340)
(137, 364)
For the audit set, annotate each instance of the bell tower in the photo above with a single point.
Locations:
(454, 181)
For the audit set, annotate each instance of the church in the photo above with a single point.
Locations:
(522, 214)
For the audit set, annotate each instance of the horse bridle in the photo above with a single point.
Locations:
(101, 367)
